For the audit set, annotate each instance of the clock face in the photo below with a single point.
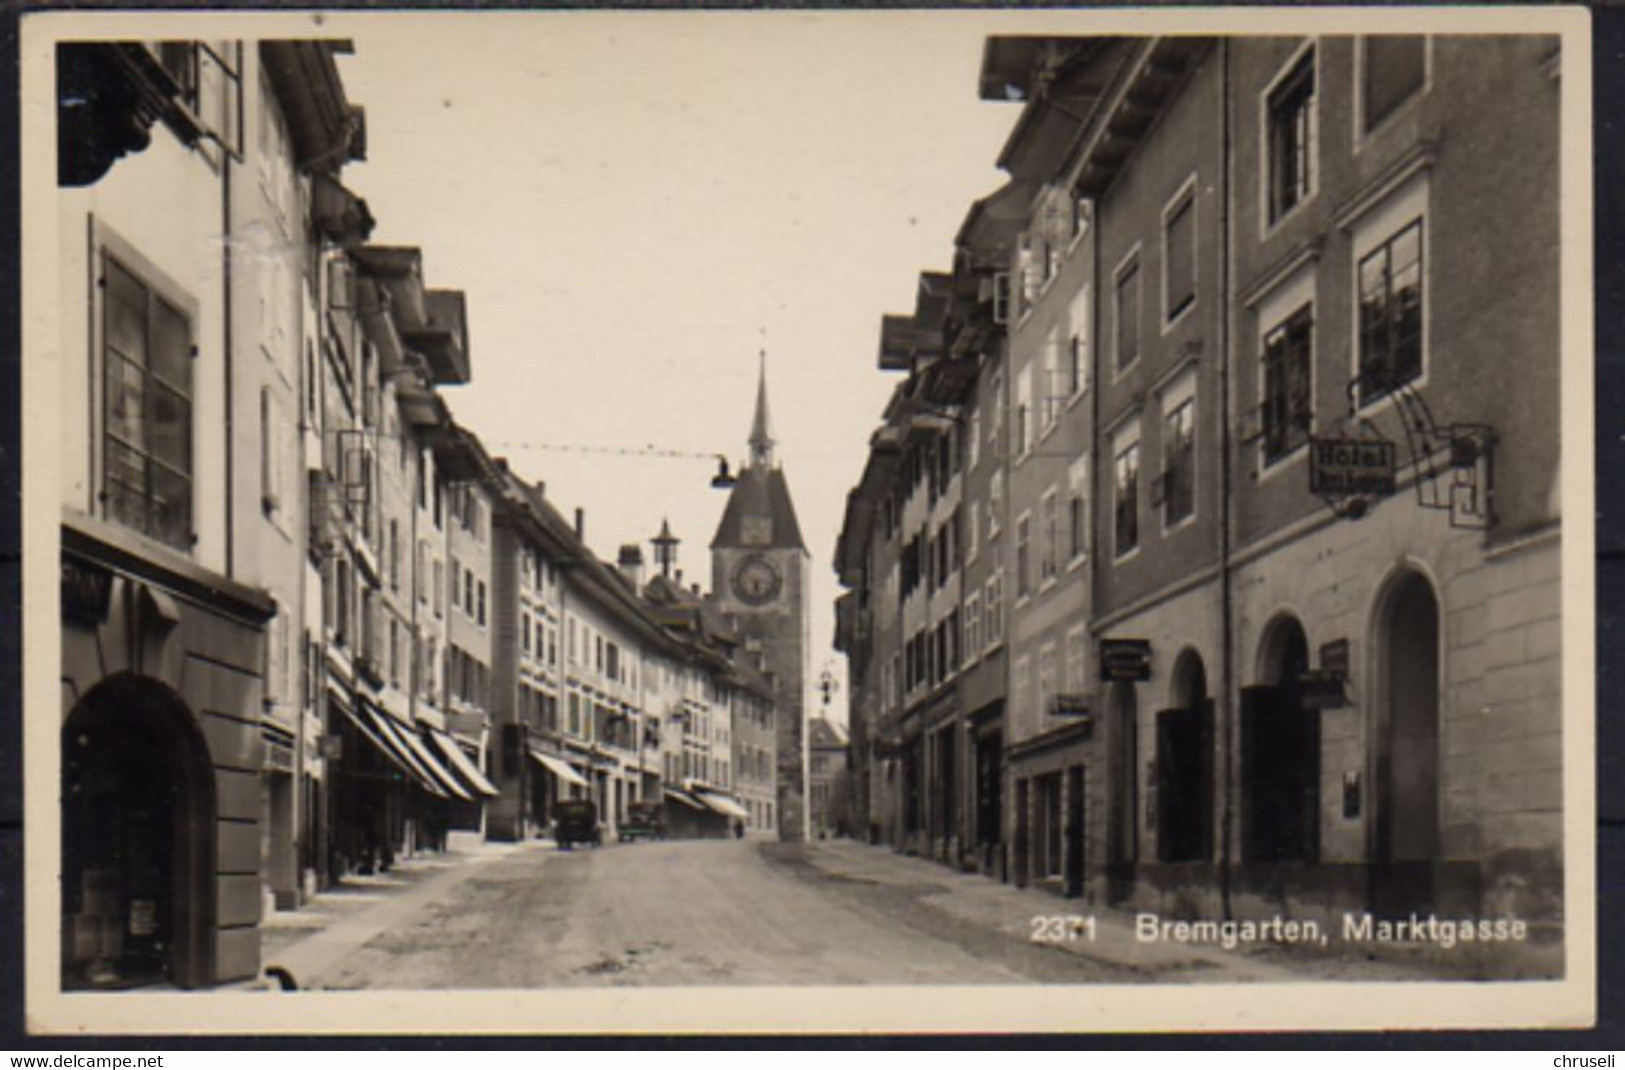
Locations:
(756, 580)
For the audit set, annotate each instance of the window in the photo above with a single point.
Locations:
(275, 447)
(1391, 313)
(147, 459)
(1128, 314)
(524, 631)
(1291, 133)
(973, 625)
(972, 529)
(1076, 660)
(1179, 453)
(439, 588)
(1021, 412)
(394, 555)
(1046, 676)
(1288, 355)
(481, 615)
(1077, 349)
(1050, 564)
(468, 591)
(995, 609)
(1179, 254)
(973, 440)
(1126, 506)
(1052, 388)
(1077, 509)
(1024, 585)
(1394, 68)
(995, 504)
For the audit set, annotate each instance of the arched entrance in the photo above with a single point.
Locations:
(1185, 765)
(1122, 839)
(1280, 752)
(1405, 821)
(137, 839)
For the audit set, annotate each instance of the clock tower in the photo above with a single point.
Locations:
(759, 575)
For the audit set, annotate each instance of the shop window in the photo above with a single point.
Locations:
(1291, 133)
(1391, 310)
(1288, 357)
(147, 413)
(1393, 68)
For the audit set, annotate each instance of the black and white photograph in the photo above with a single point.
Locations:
(813, 521)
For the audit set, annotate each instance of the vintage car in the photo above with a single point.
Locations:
(644, 821)
(576, 821)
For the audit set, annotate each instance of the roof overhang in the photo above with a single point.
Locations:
(327, 130)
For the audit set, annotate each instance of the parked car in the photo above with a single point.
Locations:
(644, 821)
(576, 821)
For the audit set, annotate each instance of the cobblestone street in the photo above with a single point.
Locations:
(722, 913)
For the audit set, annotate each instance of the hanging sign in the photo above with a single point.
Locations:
(1127, 660)
(1339, 467)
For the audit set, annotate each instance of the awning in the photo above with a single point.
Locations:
(367, 724)
(686, 799)
(383, 726)
(558, 768)
(462, 763)
(723, 805)
(446, 778)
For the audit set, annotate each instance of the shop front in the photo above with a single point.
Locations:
(161, 766)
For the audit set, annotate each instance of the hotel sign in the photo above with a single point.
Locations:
(1345, 467)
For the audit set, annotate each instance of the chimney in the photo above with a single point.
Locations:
(581, 523)
(630, 562)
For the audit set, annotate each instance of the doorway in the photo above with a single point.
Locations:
(137, 840)
(1405, 799)
(1280, 753)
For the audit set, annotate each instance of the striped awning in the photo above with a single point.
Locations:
(462, 764)
(558, 768)
(420, 755)
(723, 805)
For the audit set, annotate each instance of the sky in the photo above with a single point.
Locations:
(638, 204)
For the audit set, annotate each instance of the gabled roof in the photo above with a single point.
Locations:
(823, 733)
(760, 492)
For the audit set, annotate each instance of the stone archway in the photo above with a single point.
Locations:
(1404, 825)
(138, 839)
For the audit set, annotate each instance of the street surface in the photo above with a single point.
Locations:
(686, 913)
(712, 912)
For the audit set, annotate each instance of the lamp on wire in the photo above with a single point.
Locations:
(724, 479)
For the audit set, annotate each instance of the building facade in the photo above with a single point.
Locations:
(1272, 545)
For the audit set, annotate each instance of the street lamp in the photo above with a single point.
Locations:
(724, 479)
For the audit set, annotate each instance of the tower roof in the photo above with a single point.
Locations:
(761, 430)
(760, 498)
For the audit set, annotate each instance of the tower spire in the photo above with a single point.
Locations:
(761, 435)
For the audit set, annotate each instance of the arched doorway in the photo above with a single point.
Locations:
(1122, 839)
(1185, 765)
(1280, 752)
(1405, 745)
(137, 839)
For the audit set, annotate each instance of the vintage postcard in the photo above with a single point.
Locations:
(808, 521)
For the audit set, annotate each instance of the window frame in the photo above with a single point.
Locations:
(1381, 235)
(1282, 325)
(1269, 219)
(1180, 393)
(1129, 265)
(1184, 197)
(1126, 438)
(1363, 135)
(159, 287)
